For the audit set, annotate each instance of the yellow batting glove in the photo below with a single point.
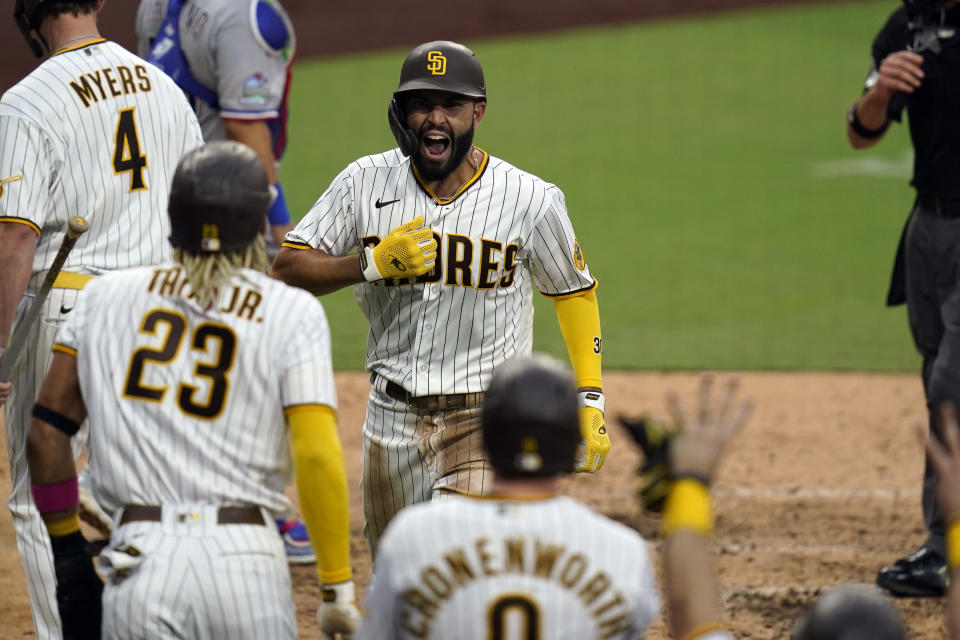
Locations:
(596, 442)
(407, 251)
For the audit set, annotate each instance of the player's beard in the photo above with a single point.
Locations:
(461, 145)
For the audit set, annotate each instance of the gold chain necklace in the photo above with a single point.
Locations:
(66, 43)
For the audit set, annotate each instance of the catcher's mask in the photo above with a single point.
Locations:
(530, 419)
(440, 65)
(28, 14)
(219, 198)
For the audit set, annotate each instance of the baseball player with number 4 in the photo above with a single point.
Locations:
(95, 132)
(449, 242)
(195, 399)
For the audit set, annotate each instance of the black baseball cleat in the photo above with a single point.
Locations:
(921, 574)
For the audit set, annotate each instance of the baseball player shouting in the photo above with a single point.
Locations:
(449, 241)
(187, 376)
(96, 132)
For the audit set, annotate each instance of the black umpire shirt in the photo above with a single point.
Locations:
(934, 108)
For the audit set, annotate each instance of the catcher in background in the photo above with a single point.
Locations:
(232, 58)
(194, 397)
(443, 244)
(527, 562)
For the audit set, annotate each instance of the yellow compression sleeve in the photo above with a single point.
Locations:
(579, 319)
(322, 487)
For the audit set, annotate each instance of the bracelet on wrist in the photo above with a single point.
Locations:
(861, 129)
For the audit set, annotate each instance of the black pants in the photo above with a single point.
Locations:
(932, 253)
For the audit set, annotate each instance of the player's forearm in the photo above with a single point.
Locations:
(692, 594)
(579, 319)
(48, 443)
(871, 113)
(322, 487)
(17, 243)
(317, 272)
(256, 135)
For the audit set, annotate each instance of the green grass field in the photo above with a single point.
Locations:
(706, 171)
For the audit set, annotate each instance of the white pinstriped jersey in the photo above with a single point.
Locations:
(187, 404)
(448, 330)
(483, 568)
(95, 132)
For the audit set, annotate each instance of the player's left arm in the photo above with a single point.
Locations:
(579, 318)
(561, 273)
(253, 55)
(57, 415)
(256, 135)
(322, 488)
(309, 399)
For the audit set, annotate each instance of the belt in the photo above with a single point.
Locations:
(69, 280)
(944, 208)
(225, 515)
(434, 403)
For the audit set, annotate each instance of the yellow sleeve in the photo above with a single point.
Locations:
(322, 486)
(579, 319)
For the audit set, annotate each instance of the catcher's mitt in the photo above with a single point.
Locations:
(79, 589)
(654, 441)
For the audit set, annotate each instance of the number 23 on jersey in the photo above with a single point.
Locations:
(212, 345)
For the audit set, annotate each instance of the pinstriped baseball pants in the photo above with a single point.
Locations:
(32, 540)
(412, 456)
(198, 579)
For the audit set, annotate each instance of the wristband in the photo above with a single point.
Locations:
(339, 593)
(278, 214)
(368, 265)
(56, 497)
(593, 399)
(860, 129)
(953, 545)
(688, 507)
(63, 526)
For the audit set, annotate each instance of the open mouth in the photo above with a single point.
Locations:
(435, 145)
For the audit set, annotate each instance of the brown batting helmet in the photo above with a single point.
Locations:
(440, 65)
(530, 419)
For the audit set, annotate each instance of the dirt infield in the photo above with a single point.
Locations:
(822, 488)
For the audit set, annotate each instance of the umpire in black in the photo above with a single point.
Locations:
(916, 65)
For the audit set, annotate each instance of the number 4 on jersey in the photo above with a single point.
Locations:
(126, 150)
